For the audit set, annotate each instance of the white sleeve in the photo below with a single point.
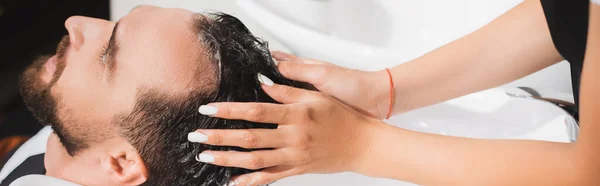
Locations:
(597, 2)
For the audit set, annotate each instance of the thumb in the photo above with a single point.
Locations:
(282, 56)
(314, 74)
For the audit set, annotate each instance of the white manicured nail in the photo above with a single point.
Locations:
(265, 80)
(205, 158)
(275, 61)
(197, 137)
(208, 110)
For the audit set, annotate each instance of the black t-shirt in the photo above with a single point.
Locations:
(568, 23)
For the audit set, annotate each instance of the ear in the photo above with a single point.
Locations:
(125, 167)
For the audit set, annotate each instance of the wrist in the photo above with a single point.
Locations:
(366, 162)
(380, 92)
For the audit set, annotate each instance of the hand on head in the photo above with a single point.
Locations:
(317, 133)
(347, 85)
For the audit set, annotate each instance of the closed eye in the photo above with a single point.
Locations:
(108, 53)
(102, 57)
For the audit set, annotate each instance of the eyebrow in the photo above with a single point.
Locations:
(112, 49)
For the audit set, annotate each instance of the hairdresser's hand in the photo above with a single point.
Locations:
(316, 134)
(367, 92)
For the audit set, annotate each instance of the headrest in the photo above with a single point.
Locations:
(36, 180)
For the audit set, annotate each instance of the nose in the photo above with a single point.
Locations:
(82, 28)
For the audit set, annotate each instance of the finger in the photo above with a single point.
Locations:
(245, 138)
(266, 176)
(287, 94)
(282, 56)
(249, 160)
(309, 61)
(310, 73)
(257, 112)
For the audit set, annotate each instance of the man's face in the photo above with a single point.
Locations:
(95, 77)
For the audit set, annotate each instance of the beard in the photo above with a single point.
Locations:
(42, 104)
(36, 93)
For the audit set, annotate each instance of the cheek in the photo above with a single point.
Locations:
(81, 76)
(81, 90)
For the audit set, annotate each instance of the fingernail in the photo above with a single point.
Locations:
(197, 137)
(275, 61)
(281, 55)
(208, 110)
(205, 158)
(265, 80)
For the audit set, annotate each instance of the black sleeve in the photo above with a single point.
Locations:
(568, 23)
(32, 165)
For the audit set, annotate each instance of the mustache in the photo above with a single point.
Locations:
(61, 55)
(36, 94)
(63, 46)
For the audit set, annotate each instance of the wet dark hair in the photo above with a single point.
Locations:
(159, 124)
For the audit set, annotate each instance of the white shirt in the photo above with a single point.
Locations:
(34, 146)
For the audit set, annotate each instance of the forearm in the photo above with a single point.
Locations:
(514, 45)
(429, 159)
(442, 160)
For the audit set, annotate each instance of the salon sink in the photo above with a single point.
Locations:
(370, 34)
(490, 114)
(376, 34)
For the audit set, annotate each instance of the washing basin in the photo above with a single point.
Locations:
(376, 34)
(489, 114)
(492, 114)
(372, 34)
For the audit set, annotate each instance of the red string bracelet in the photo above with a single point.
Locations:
(392, 96)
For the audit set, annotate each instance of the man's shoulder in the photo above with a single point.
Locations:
(34, 147)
